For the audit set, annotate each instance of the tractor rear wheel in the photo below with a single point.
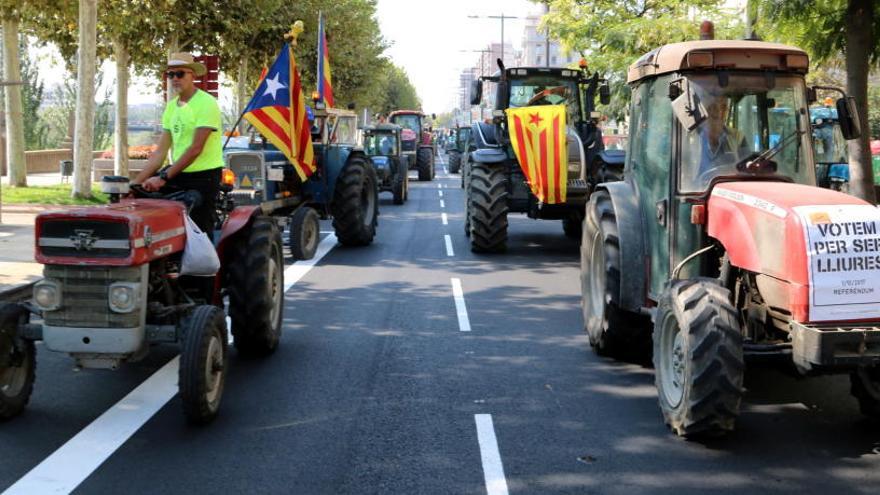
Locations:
(425, 164)
(304, 233)
(612, 331)
(573, 226)
(256, 289)
(202, 371)
(454, 163)
(865, 387)
(698, 358)
(17, 362)
(400, 187)
(355, 204)
(487, 208)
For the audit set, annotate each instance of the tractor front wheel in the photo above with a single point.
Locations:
(612, 331)
(487, 208)
(202, 371)
(355, 204)
(17, 362)
(572, 226)
(425, 164)
(698, 358)
(454, 163)
(256, 289)
(303, 235)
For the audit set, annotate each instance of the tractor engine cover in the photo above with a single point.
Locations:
(128, 233)
(816, 251)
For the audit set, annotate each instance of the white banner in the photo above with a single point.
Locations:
(843, 250)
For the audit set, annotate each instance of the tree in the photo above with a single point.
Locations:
(612, 34)
(86, 64)
(392, 90)
(32, 94)
(827, 28)
(10, 15)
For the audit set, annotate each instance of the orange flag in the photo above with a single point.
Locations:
(537, 135)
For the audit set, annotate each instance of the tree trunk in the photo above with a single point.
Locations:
(86, 62)
(120, 155)
(15, 161)
(859, 40)
(241, 90)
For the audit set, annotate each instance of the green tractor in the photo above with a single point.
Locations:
(719, 236)
(456, 147)
(382, 145)
(495, 182)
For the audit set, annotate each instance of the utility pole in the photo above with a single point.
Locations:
(501, 17)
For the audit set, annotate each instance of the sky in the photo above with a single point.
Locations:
(426, 38)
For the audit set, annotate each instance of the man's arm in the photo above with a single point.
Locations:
(156, 159)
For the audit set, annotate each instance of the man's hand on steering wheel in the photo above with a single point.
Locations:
(153, 184)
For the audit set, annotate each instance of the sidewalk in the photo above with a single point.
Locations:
(17, 265)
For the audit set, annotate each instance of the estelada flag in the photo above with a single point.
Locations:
(537, 135)
(325, 78)
(278, 111)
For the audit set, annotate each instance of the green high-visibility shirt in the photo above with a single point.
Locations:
(201, 110)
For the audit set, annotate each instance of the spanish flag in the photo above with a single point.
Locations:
(278, 111)
(537, 135)
(325, 78)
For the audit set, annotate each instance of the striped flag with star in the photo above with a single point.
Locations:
(537, 136)
(278, 111)
(325, 78)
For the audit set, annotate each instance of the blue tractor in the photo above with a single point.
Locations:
(343, 188)
(829, 149)
(383, 145)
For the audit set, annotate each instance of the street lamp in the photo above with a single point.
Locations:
(502, 17)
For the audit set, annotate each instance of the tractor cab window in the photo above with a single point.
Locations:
(829, 146)
(344, 130)
(546, 90)
(746, 116)
(410, 122)
(462, 139)
(380, 144)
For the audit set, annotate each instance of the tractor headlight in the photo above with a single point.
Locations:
(123, 297)
(47, 295)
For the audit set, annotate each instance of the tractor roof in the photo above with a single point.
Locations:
(523, 71)
(718, 54)
(406, 112)
(383, 127)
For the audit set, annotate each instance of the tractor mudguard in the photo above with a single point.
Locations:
(632, 245)
(488, 155)
(613, 157)
(238, 219)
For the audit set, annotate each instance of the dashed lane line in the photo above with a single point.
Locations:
(73, 462)
(440, 193)
(493, 469)
(464, 324)
(442, 204)
(444, 218)
(449, 251)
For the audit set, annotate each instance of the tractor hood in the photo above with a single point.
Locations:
(817, 250)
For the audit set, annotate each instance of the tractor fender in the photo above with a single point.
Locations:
(632, 245)
(488, 155)
(239, 219)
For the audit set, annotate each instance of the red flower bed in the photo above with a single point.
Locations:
(134, 152)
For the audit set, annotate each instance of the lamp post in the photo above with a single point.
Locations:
(502, 17)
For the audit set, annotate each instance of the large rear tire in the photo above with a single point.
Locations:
(400, 187)
(612, 331)
(304, 233)
(202, 372)
(355, 204)
(454, 163)
(487, 208)
(698, 358)
(256, 289)
(425, 164)
(865, 387)
(17, 362)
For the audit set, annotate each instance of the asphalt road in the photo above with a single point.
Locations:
(376, 389)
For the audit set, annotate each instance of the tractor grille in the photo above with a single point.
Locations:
(84, 296)
(408, 145)
(84, 238)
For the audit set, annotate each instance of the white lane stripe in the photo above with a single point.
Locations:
(440, 193)
(74, 461)
(464, 323)
(444, 218)
(493, 470)
(449, 251)
(442, 204)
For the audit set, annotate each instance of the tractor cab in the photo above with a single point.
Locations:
(382, 145)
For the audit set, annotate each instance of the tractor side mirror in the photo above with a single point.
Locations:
(604, 94)
(686, 104)
(476, 91)
(502, 95)
(848, 117)
(811, 96)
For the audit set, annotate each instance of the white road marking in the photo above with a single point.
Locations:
(449, 251)
(464, 323)
(74, 461)
(444, 218)
(440, 193)
(442, 204)
(493, 470)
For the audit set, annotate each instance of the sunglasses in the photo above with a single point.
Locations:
(178, 74)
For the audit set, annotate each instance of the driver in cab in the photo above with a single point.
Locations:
(721, 145)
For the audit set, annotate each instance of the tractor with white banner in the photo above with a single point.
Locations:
(720, 236)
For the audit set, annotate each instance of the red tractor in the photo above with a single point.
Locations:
(417, 141)
(112, 288)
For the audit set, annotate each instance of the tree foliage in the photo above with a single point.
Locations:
(35, 129)
(391, 90)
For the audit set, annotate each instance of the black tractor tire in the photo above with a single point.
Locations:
(572, 226)
(612, 331)
(16, 379)
(256, 289)
(304, 233)
(399, 190)
(698, 358)
(355, 205)
(454, 163)
(865, 387)
(425, 164)
(487, 208)
(203, 363)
